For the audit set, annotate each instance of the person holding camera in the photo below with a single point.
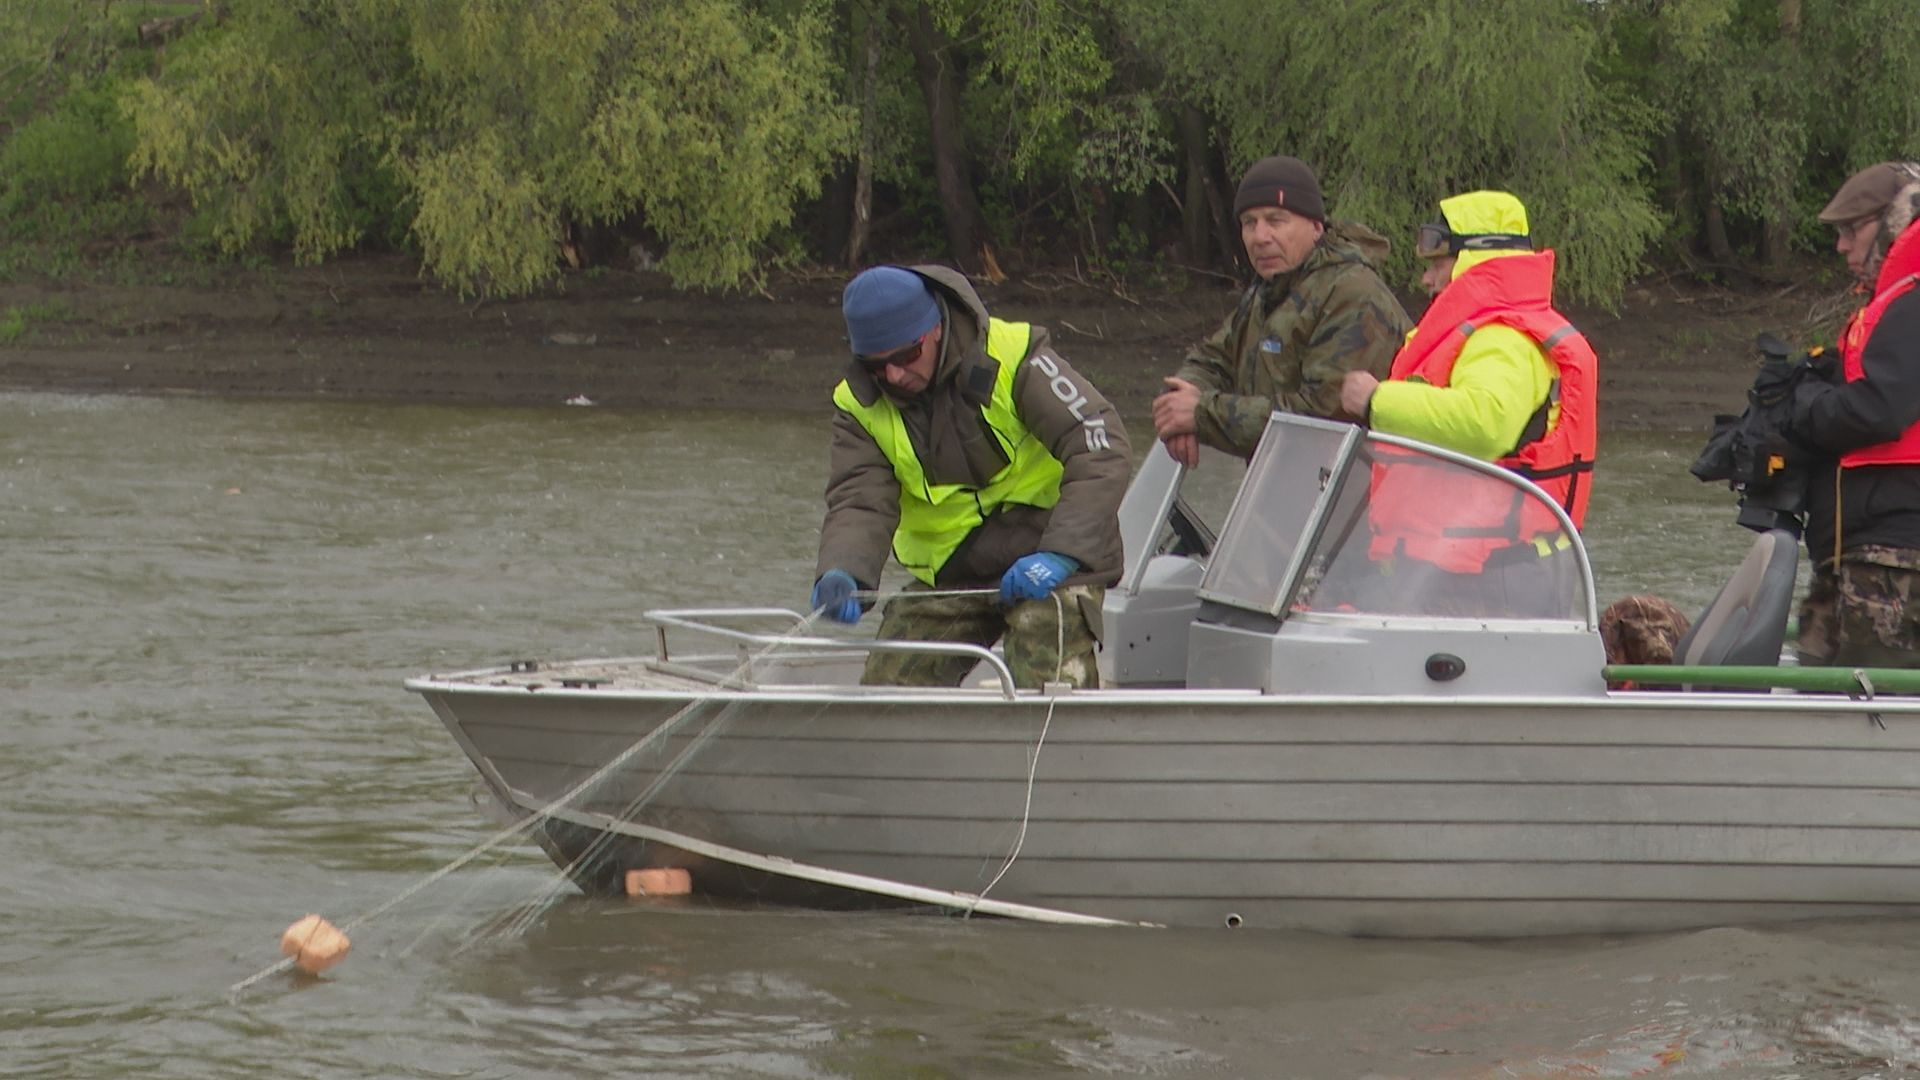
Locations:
(1863, 507)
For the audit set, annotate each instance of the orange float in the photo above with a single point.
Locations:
(315, 944)
(659, 881)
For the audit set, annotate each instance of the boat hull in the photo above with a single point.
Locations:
(1356, 815)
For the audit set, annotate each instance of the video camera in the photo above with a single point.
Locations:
(1752, 453)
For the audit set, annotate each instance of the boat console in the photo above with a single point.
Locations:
(1316, 584)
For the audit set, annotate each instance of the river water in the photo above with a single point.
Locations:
(208, 611)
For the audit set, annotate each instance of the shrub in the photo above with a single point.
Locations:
(75, 153)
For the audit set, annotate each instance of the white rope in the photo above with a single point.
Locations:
(1026, 811)
(525, 825)
(1033, 765)
(604, 842)
(920, 594)
(660, 732)
(1059, 641)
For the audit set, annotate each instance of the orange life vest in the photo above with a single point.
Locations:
(1445, 517)
(1898, 276)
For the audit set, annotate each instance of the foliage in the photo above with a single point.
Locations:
(34, 35)
(1398, 105)
(1125, 144)
(498, 123)
(1764, 106)
(1865, 102)
(1721, 81)
(484, 134)
(77, 151)
(48, 47)
(16, 322)
(63, 162)
(1045, 58)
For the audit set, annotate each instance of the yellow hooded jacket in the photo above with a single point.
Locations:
(1501, 377)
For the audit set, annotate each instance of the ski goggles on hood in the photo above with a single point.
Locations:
(1437, 241)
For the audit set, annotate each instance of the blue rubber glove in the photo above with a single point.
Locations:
(1035, 576)
(833, 594)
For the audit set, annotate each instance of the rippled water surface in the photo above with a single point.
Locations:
(208, 610)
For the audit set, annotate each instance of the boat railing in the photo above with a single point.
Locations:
(700, 620)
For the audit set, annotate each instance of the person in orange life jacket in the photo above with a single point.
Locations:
(1863, 513)
(976, 455)
(1492, 371)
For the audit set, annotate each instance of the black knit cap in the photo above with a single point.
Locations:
(1281, 181)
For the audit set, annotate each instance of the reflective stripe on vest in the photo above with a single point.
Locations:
(935, 519)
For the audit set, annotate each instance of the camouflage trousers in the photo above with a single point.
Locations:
(1047, 640)
(1863, 613)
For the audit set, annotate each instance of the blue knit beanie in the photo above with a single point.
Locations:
(887, 308)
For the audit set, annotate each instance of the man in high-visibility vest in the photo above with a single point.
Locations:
(1491, 371)
(990, 469)
(1863, 510)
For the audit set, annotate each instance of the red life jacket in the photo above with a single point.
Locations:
(1898, 276)
(1453, 520)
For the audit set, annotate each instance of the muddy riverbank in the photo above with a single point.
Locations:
(371, 329)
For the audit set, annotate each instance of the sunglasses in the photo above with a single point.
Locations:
(1437, 241)
(900, 357)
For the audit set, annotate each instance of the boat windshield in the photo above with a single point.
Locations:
(1334, 519)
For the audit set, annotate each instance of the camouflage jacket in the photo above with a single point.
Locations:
(1293, 338)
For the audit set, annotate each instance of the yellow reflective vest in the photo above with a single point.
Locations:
(935, 519)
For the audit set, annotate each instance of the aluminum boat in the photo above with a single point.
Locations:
(1293, 731)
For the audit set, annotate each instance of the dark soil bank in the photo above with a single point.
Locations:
(371, 330)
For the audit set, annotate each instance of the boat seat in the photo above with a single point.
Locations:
(1746, 624)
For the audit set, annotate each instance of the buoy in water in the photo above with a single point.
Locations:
(315, 944)
(659, 881)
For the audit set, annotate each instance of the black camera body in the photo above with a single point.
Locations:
(1752, 451)
(1776, 497)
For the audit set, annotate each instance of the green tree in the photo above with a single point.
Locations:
(1762, 107)
(1399, 103)
(493, 125)
(34, 34)
(1865, 105)
(64, 140)
(1008, 90)
(1725, 83)
(485, 133)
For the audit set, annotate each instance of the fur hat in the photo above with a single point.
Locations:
(1899, 214)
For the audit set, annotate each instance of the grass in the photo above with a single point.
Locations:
(17, 322)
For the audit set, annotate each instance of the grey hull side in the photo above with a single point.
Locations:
(1350, 816)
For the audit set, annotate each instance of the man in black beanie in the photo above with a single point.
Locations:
(1318, 311)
